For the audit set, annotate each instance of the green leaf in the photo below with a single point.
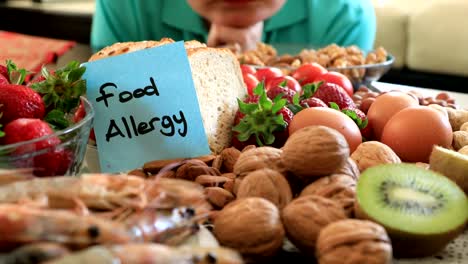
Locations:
(15, 74)
(364, 123)
(246, 108)
(296, 99)
(2, 134)
(334, 105)
(278, 105)
(56, 119)
(260, 88)
(283, 83)
(62, 89)
(309, 89)
(295, 108)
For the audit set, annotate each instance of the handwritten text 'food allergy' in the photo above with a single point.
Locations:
(128, 126)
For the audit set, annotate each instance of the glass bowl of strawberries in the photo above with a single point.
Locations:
(44, 123)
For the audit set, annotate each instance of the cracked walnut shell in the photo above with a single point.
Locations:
(268, 184)
(250, 225)
(304, 217)
(315, 151)
(338, 187)
(353, 241)
(372, 153)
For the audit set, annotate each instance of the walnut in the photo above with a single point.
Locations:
(268, 184)
(258, 158)
(349, 168)
(304, 217)
(358, 240)
(463, 150)
(373, 153)
(460, 139)
(315, 151)
(464, 127)
(338, 187)
(250, 225)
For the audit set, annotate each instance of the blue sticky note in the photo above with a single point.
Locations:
(146, 108)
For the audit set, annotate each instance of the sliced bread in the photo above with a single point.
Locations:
(218, 83)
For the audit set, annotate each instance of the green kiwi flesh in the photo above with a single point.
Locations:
(421, 210)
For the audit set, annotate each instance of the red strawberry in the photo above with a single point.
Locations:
(4, 71)
(361, 121)
(3, 80)
(25, 129)
(312, 102)
(288, 94)
(19, 101)
(80, 113)
(330, 92)
(262, 123)
(53, 163)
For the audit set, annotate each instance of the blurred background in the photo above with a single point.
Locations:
(428, 38)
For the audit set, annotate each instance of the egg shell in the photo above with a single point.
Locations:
(413, 131)
(385, 106)
(330, 118)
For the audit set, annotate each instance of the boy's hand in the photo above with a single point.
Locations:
(247, 38)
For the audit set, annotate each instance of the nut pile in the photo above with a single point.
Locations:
(264, 195)
(331, 56)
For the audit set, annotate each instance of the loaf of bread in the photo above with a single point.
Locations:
(218, 83)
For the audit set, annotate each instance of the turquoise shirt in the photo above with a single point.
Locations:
(299, 23)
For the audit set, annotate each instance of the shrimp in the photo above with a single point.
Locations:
(106, 192)
(151, 254)
(21, 225)
(34, 253)
(9, 175)
(96, 191)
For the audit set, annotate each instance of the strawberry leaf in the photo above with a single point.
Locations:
(57, 120)
(309, 90)
(15, 74)
(260, 119)
(283, 83)
(62, 89)
(334, 105)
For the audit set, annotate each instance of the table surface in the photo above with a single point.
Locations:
(460, 98)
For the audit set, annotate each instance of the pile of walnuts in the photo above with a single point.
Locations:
(331, 56)
(262, 196)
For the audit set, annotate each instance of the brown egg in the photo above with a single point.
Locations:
(385, 106)
(330, 118)
(413, 131)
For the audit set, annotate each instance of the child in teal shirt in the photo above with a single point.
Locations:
(302, 23)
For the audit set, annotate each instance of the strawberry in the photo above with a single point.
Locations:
(52, 163)
(285, 92)
(312, 102)
(25, 129)
(330, 92)
(359, 118)
(3, 79)
(262, 122)
(4, 72)
(61, 91)
(18, 101)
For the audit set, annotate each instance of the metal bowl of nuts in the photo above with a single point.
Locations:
(360, 67)
(365, 74)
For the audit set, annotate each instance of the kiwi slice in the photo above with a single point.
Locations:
(452, 164)
(421, 210)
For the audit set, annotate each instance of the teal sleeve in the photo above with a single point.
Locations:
(114, 21)
(352, 23)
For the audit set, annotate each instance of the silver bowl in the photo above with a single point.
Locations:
(365, 74)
